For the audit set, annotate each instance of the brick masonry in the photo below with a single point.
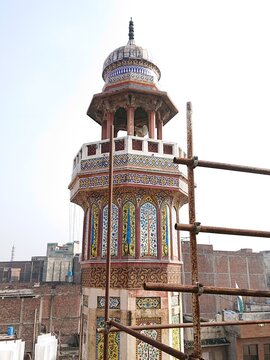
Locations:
(223, 269)
(54, 308)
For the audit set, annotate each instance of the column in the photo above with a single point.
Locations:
(110, 116)
(159, 127)
(103, 129)
(130, 120)
(152, 121)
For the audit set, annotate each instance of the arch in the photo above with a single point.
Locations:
(165, 229)
(120, 120)
(148, 229)
(93, 238)
(128, 229)
(141, 122)
(114, 240)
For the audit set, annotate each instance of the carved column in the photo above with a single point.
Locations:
(104, 129)
(130, 120)
(152, 121)
(110, 116)
(159, 127)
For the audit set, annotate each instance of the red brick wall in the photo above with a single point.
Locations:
(223, 269)
(64, 300)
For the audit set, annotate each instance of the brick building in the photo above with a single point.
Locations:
(224, 269)
(32, 310)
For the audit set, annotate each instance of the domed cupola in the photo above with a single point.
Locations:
(130, 64)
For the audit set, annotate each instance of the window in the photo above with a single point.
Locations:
(250, 352)
(266, 348)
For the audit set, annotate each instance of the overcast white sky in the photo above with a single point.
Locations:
(212, 53)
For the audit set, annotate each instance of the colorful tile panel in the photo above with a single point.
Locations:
(114, 239)
(174, 233)
(148, 224)
(130, 178)
(143, 350)
(148, 303)
(114, 342)
(129, 159)
(94, 231)
(128, 230)
(176, 332)
(166, 231)
(114, 302)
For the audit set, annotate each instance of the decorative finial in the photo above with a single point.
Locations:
(131, 30)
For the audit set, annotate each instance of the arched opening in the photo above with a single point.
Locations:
(114, 239)
(141, 122)
(148, 229)
(120, 120)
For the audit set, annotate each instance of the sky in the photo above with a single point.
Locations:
(212, 53)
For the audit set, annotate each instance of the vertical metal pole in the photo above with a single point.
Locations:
(108, 259)
(193, 242)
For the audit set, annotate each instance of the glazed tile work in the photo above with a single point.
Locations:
(114, 342)
(130, 277)
(165, 224)
(148, 234)
(128, 230)
(130, 178)
(135, 226)
(114, 239)
(114, 302)
(94, 231)
(129, 160)
(176, 332)
(148, 303)
(145, 351)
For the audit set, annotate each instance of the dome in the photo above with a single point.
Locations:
(130, 63)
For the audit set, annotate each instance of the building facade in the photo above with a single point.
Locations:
(148, 192)
(244, 268)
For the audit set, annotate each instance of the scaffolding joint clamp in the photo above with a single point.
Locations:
(195, 162)
(200, 290)
(197, 227)
(107, 327)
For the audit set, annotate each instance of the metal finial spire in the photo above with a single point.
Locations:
(131, 30)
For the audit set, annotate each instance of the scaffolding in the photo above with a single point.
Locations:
(196, 289)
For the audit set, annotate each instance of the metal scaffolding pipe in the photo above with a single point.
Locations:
(193, 241)
(194, 162)
(200, 289)
(165, 348)
(197, 228)
(190, 325)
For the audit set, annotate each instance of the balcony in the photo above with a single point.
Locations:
(151, 153)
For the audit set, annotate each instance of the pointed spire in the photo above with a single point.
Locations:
(131, 30)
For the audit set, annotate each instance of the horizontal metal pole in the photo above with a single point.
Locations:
(200, 289)
(165, 348)
(222, 166)
(190, 325)
(197, 228)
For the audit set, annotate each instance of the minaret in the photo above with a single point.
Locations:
(148, 192)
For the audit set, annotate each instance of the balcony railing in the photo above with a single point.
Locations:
(127, 144)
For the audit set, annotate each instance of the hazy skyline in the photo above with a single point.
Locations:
(214, 54)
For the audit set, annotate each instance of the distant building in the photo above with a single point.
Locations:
(22, 271)
(59, 262)
(62, 264)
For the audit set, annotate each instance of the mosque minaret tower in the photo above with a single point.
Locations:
(148, 192)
